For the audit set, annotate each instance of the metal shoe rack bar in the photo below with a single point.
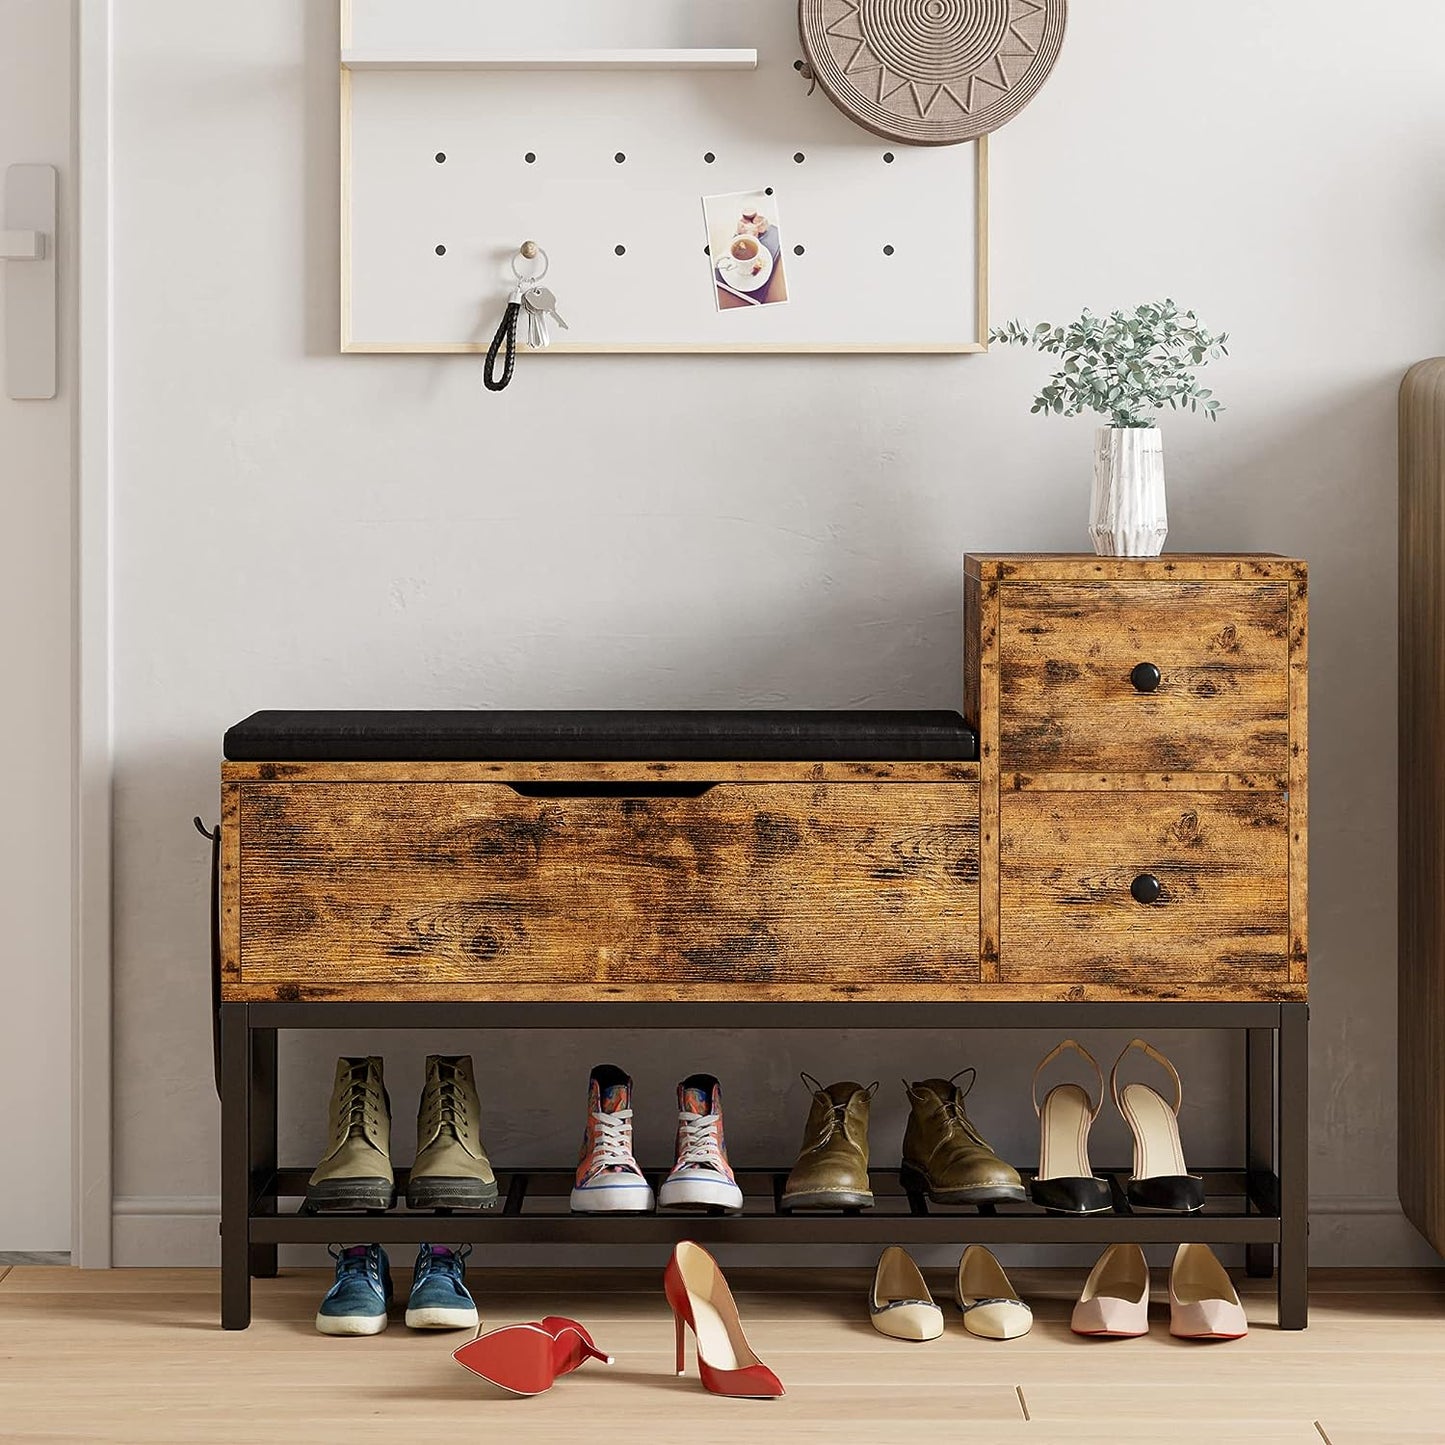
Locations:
(1262, 1205)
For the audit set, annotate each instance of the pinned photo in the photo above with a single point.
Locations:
(746, 249)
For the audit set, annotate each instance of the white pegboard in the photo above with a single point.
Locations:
(848, 198)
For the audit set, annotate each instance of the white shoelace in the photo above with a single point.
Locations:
(612, 1142)
(698, 1144)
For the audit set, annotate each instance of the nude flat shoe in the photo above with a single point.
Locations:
(901, 1305)
(990, 1304)
(1115, 1301)
(1203, 1304)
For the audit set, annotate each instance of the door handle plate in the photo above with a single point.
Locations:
(26, 243)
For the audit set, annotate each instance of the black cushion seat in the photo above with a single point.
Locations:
(843, 735)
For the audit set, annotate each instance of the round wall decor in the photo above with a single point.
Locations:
(931, 72)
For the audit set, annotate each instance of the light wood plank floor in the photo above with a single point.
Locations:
(137, 1355)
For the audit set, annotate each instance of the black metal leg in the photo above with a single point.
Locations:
(1259, 1131)
(263, 1141)
(1294, 1148)
(235, 1166)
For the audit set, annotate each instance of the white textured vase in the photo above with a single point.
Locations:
(1127, 517)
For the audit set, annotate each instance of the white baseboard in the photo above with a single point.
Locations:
(1346, 1231)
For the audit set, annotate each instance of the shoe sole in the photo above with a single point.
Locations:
(439, 1317)
(915, 1183)
(827, 1199)
(613, 1199)
(700, 1194)
(344, 1325)
(351, 1194)
(451, 1194)
(517, 1358)
(1111, 1334)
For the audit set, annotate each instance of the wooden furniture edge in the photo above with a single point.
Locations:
(1170, 566)
(641, 771)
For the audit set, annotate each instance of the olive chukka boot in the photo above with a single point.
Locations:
(452, 1170)
(355, 1172)
(832, 1167)
(944, 1156)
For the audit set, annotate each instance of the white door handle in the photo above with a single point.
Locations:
(29, 302)
(22, 245)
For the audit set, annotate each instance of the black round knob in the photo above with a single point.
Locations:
(1146, 888)
(1145, 677)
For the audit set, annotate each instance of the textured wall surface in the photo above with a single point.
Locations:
(299, 529)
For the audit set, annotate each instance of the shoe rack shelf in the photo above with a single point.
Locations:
(1260, 1204)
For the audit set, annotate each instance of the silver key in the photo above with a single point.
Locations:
(541, 300)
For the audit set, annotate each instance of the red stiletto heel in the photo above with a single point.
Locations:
(526, 1359)
(702, 1302)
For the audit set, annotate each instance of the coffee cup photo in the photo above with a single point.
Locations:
(744, 249)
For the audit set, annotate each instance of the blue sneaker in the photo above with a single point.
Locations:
(356, 1304)
(439, 1298)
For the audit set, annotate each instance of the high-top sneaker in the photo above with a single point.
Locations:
(355, 1172)
(608, 1179)
(451, 1169)
(701, 1178)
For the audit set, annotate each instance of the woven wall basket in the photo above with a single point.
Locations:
(931, 72)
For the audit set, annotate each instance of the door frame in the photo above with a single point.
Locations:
(92, 723)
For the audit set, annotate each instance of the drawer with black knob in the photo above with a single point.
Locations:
(1147, 894)
(1143, 677)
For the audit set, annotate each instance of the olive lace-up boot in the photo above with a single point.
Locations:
(451, 1170)
(832, 1167)
(944, 1156)
(355, 1172)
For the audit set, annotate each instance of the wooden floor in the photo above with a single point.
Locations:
(137, 1355)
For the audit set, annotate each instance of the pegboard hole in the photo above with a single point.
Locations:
(530, 158)
(887, 158)
(441, 250)
(769, 191)
(441, 157)
(707, 250)
(619, 250)
(709, 157)
(799, 157)
(797, 65)
(620, 157)
(798, 250)
(888, 250)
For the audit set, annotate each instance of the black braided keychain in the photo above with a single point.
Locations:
(504, 342)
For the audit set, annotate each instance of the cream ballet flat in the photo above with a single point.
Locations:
(990, 1304)
(1115, 1301)
(901, 1306)
(1203, 1304)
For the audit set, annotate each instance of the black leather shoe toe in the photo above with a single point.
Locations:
(1072, 1196)
(1172, 1193)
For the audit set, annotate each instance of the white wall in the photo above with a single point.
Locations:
(299, 529)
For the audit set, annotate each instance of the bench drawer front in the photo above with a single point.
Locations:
(1068, 650)
(1071, 923)
(786, 890)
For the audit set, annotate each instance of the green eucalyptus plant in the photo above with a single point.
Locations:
(1125, 366)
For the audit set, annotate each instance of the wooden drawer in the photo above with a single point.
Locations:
(1067, 703)
(1070, 925)
(478, 890)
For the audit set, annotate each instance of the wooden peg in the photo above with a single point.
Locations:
(529, 250)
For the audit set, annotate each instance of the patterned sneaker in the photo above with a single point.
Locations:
(356, 1304)
(702, 1178)
(608, 1179)
(439, 1298)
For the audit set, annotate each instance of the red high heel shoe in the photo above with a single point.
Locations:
(526, 1359)
(701, 1300)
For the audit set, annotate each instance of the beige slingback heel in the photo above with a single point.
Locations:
(1065, 1183)
(1161, 1181)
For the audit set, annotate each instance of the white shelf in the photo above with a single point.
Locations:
(691, 59)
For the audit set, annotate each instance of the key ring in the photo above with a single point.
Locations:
(529, 251)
